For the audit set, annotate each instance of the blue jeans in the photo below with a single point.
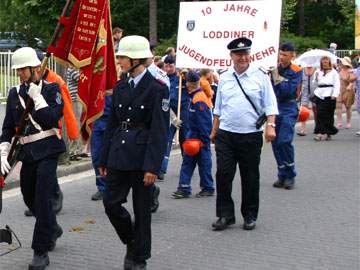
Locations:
(95, 147)
(203, 160)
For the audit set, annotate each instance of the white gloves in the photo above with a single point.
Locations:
(35, 94)
(4, 152)
(176, 122)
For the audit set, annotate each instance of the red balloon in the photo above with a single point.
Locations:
(192, 146)
(304, 114)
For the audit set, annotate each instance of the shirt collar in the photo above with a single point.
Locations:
(138, 77)
(247, 72)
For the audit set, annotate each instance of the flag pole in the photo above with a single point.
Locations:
(179, 108)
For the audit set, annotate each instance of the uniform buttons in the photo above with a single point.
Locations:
(122, 141)
(129, 108)
(128, 120)
(142, 106)
(120, 105)
(127, 130)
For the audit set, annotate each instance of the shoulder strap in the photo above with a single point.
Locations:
(247, 97)
(36, 125)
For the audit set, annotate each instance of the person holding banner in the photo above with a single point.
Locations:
(41, 145)
(134, 145)
(177, 123)
(200, 125)
(287, 92)
(244, 92)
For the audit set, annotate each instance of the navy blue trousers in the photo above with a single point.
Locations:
(37, 182)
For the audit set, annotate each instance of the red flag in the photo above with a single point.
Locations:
(61, 44)
(99, 76)
(86, 42)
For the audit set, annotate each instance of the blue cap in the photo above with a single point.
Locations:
(192, 77)
(40, 54)
(287, 47)
(239, 44)
(169, 60)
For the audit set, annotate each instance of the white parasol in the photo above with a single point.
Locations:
(312, 58)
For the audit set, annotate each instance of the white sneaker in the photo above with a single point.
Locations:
(357, 133)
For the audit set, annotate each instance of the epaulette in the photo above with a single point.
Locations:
(295, 68)
(160, 81)
(264, 70)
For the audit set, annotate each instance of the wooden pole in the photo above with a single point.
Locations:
(179, 107)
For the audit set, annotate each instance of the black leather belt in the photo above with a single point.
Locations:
(124, 125)
(325, 85)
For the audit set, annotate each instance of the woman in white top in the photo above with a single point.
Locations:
(328, 89)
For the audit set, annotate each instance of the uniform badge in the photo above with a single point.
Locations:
(58, 98)
(165, 104)
(201, 108)
(190, 25)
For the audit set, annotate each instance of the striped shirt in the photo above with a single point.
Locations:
(72, 78)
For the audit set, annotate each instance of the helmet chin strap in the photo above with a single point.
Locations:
(133, 67)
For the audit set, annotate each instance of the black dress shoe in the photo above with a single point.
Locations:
(278, 184)
(129, 256)
(56, 234)
(161, 177)
(97, 196)
(139, 265)
(58, 202)
(39, 261)
(155, 199)
(28, 213)
(222, 223)
(249, 224)
(289, 183)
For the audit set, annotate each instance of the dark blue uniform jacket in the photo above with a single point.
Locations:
(200, 118)
(140, 146)
(286, 90)
(100, 124)
(47, 118)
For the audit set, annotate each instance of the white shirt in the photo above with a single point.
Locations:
(332, 79)
(137, 78)
(233, 109)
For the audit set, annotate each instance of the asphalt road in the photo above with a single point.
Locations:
(315, 226)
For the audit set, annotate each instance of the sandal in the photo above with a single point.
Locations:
(318, 137)
(301, 133)
(327, 137)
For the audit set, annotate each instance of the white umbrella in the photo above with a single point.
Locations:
(312, 58)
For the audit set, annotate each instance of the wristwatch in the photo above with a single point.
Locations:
(271, 124)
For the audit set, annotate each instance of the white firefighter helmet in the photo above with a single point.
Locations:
(24, 57)
(134, 47)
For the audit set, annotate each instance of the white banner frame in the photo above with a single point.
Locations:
(205, 29)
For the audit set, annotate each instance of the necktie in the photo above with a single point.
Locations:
(132, 84)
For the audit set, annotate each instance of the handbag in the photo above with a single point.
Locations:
(261, 117)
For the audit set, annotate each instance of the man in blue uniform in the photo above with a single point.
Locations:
(58, 194)
(287, 91)
(41, 146)
(161, 76)
(199, 124)
(96, 145)
(133, 148)
(176, 122)
(243, 94)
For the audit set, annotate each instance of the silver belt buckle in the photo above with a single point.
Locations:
(124, 125)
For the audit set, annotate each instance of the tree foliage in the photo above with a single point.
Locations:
(324, 20)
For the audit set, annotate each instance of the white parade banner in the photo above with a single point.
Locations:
(205, 29)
